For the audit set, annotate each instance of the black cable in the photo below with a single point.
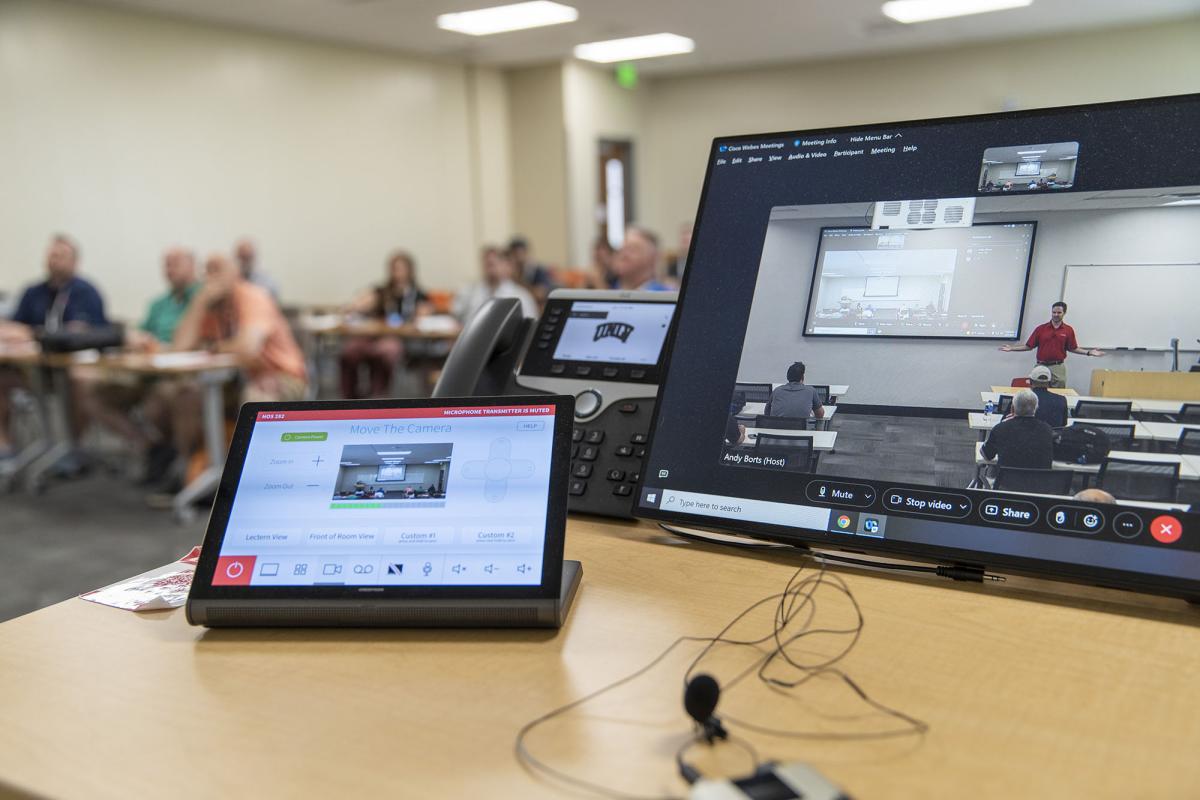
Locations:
(952, 571)
(798, 596)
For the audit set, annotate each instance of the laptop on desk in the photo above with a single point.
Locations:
(431, 513)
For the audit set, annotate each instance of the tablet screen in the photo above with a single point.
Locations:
(438, 496)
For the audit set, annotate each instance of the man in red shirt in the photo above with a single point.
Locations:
(1053, 340)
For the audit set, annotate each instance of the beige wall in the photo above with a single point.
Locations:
(685, 113)
(133, 132)
(595, 108)
(539, 158)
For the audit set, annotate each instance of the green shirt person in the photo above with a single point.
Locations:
(164, 313)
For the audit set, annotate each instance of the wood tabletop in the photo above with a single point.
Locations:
(1029, 689)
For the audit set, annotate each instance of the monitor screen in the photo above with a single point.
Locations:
(614, 332)
(934, 282)
(453, 496)
(857, 300)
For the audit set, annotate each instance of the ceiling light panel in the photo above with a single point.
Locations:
(908, 11)
(502, 19)
(634, 48)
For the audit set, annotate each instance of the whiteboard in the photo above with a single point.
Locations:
(1133, 305)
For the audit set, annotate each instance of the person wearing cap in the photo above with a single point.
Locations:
(1052, 407)
(1053, 340)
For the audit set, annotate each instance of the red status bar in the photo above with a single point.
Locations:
(441, 412)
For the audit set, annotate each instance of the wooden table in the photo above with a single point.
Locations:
(1011, 390)
(320, 334)
(1030, 689)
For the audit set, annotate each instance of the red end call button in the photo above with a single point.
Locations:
(1166, 529)
(234, 570)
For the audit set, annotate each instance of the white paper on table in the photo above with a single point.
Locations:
(183, 358)
(437, 323)
(164, 587)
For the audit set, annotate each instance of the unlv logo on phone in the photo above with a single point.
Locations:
(616, 330)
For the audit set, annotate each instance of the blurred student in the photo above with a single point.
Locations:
(499, 280)
(397, 300)
(636, 263)
(106, 398)
(795, 398)
(247, 258)
(63, 301)
(228, 314)
(533, 274)
(600, 271)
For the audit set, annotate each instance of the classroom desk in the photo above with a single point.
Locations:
(212, 372)
(753, 410)
(50, 383)
(325, 331)
(1189, 466)
(978, 421)
(823, 441)
(1140, 405)
(836, 390)
(1166, 431)
(1014, 389)
(1029, 688)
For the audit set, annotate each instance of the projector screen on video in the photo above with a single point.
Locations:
(390, 473)
(940, 282)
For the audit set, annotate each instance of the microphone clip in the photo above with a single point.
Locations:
(712, 729)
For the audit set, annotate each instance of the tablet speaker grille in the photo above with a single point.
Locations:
(373, 617)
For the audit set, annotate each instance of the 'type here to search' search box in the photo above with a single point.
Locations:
(736, 508)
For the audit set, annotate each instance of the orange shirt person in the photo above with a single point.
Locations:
(231, 315)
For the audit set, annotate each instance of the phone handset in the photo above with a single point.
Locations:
(487, 351)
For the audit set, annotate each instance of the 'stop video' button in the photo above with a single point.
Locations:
(934, 504)
(840, 493)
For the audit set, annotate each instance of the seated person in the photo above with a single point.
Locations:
(106, 398)
(537, 277)
(63, 301)
(499, 280)
(1052, 407)
(1021, 440)
(794, 398)
(409, 492)
(735, 432)
(230, 315)
(431, 491)
(398, 299)
(636, 263)
(379, 494)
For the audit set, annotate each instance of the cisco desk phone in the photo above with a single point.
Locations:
(604, 348)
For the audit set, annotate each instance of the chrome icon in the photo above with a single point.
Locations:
(843, 522)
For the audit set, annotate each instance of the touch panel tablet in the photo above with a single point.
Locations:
(361, 509)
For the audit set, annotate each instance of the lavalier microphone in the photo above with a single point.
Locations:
(700, 699)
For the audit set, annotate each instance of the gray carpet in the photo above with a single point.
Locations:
(81, 535)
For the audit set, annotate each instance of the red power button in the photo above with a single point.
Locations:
(234, 571)
(1166, 529)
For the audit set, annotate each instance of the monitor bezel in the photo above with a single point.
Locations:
(1031, 567)
(556, 509)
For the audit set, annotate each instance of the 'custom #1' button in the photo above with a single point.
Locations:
(1008, 512)
(838, 493)
(934, 504)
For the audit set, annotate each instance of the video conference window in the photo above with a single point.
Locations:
(1029, 168)
(393, 472)
(942, 282)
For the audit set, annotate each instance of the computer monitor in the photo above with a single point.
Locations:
(920, 270)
